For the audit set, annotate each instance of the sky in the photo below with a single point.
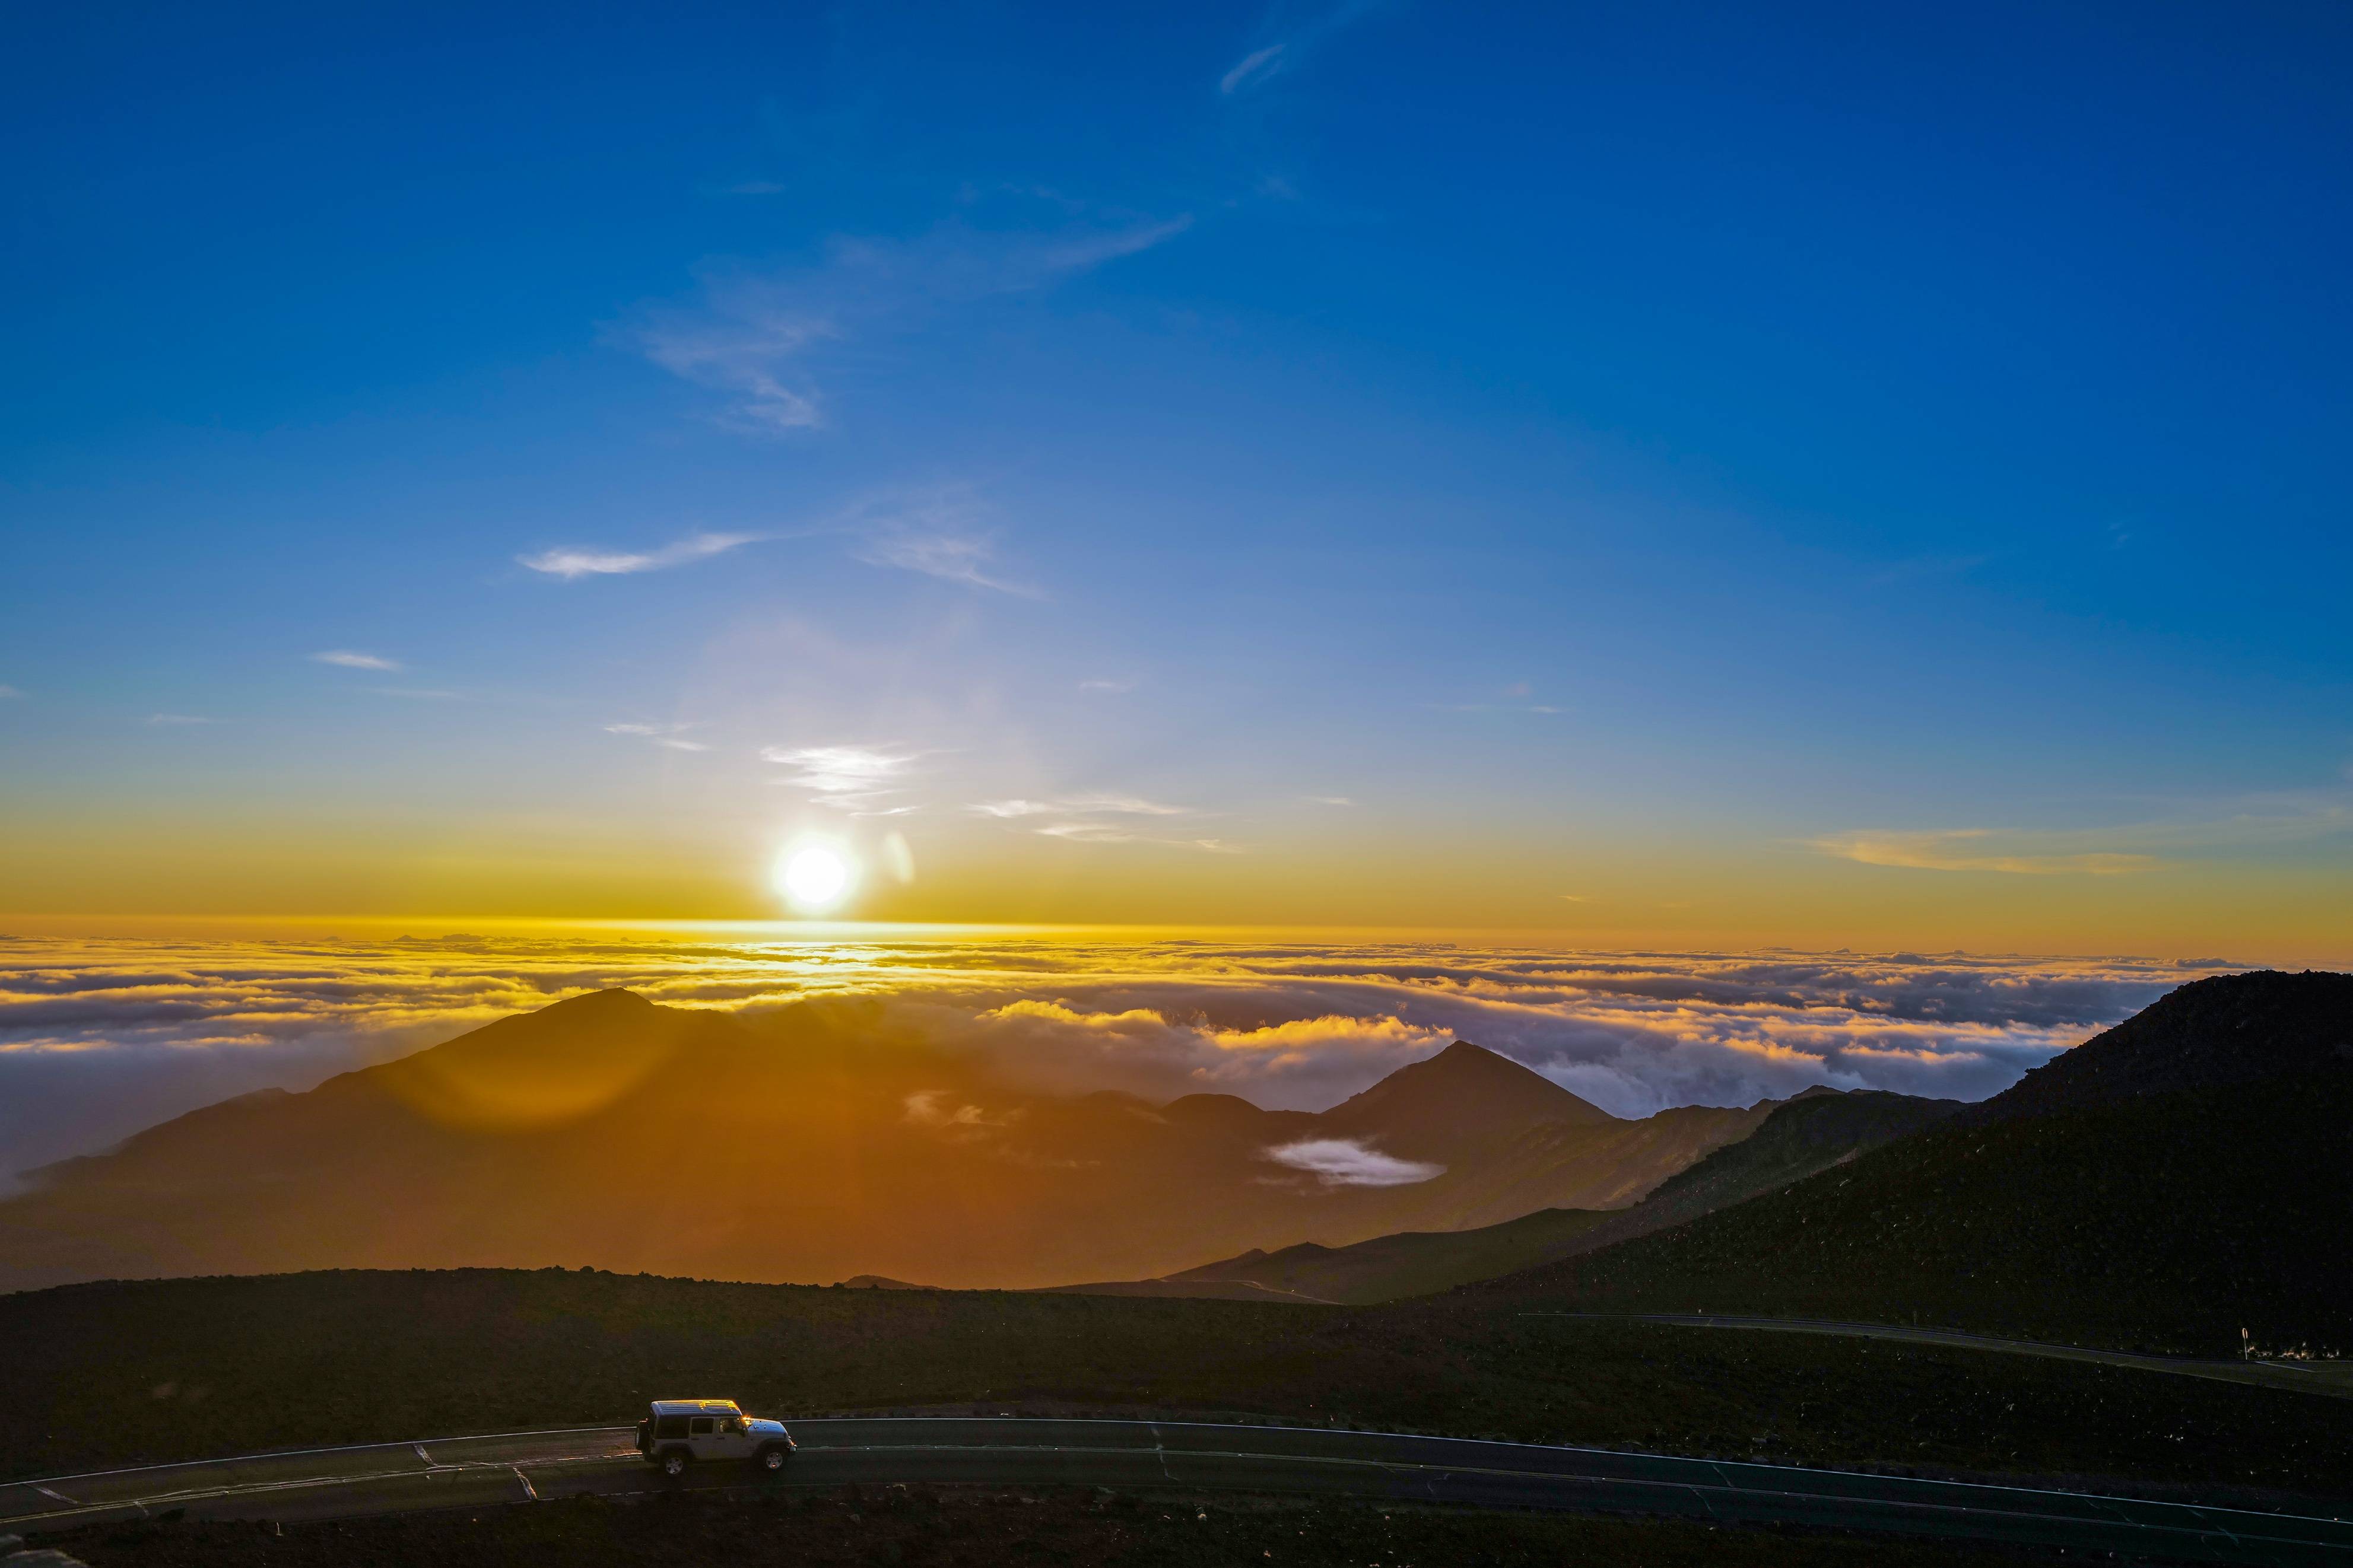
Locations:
(1693, 477)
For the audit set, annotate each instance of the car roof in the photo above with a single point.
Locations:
(697, 1407)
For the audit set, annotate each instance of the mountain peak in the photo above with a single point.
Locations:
(1463, 1097)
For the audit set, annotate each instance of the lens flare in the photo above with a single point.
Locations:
(813, 878)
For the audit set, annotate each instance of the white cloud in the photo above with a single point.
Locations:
(178, 719)
(1252, 69)
(1111, 688)
(752, 334)
(951, 557)
(1329, 800)
(1349, 1163)
(1980, 850)
(570, 564)
(1263, 64)
(8, 691)
(350, 660)
(856, 780)
(665, 735)
(942, 531)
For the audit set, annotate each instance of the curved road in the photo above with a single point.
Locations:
(436, 1473)
(2331, 1378)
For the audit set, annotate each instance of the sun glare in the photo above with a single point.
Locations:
(813, 880)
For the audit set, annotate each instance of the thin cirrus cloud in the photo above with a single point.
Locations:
(348, 659)
(571, 563)
(862, 780)
(1097, 819)
(1270, 60)
(8, 691)
(755, 335)
(1981, 849)
(664, 735)
(175, 720)
(943, 533)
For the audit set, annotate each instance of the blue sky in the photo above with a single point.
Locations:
(1686, 462)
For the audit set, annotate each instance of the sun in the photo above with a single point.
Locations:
(813, 879)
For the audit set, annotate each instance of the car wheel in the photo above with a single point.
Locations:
(772, 1459)
(674, 1463)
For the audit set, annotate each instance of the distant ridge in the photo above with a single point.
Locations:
(816, 1143)
(1819, 1129)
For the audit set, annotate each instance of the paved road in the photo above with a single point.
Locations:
(439, 1473)
(2332, 1378)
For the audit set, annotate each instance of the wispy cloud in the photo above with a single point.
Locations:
(1328, 800)
(1349, 1162)
(571, 563)
(173, 719)
(752, 334)
(854, 779)
(1980, 849)
(1098, 819)
(663, 736)
(349, 660)
(1281, 55)
(419, 693)
(1085, 804)
(1109, 687)
(944, 532)
(1252, 69)
(951, 557)
(8, 691)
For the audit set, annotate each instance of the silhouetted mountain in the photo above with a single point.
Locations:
(1461, 1099)
(1819, 1129)
(2179, 1177)
(814, 1144)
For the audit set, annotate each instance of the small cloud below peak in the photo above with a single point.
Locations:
(1350, 1163)
(348, 659)
(171, 720)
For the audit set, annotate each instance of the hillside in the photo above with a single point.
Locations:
(147, 1372)
(1819, 1129)
(811, 1143)
(2177, 1179)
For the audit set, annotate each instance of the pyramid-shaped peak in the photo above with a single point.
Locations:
(1465, 1095)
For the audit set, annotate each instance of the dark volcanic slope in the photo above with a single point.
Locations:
(2186, 1174)
(1811, 1133)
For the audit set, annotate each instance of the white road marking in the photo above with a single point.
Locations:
(421, 1453)
(60, 1496)
(529, 1495)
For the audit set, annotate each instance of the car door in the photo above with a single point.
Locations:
(703, 1437)
(733, 1438)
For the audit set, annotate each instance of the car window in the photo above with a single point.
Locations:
(670, 1427)
(702, 1425)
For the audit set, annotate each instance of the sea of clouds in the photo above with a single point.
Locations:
(98, 1040)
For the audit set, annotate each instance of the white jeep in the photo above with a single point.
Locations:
(677, 1432)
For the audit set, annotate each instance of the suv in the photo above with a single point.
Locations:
(677, 1432)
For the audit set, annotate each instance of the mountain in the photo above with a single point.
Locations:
(2185, 1176)
(1819, 1129)
(817, 1142)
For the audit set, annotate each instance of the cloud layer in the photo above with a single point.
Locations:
(98, 1039)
